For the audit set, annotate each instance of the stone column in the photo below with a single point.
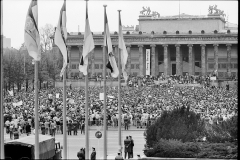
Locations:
(178, 59)
(190, 59)
(140, 60)
(166, 60)
(153, 60)
(229, 59)
(70, 62)
(203, 59)
(156, 61)
(216, 57)
(129, 59)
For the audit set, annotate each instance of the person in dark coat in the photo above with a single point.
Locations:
(69, 128)
(81, 155)
(93, 154)
(28, 129)
(127, 147)
(75, 127)
(131, 147)
(83, 127)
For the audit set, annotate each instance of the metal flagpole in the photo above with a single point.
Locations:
(119, 91)
(36, 112)
(104, 91)
(64, 117)
(1, 90)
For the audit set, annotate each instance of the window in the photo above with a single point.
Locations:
(132, 66)
(220, 74)
(160, 62)
(211, 65)
(198, 64)
(197, 73)
(137, 66)
(224, 65)
(236, 65)
(72, 74)
(74, 66)
(231, 65)
(135, 73)
(96, 66)
(101, 66)
(219, 66)
(77, 74)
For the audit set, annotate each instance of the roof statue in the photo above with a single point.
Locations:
(147, 10)
(155, 14)
(217, 11)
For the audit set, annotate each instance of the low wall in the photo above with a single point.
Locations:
(91, 83)
(232, 84)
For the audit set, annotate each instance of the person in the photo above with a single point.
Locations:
(131, 147)
(80, 154)
(82, 127)
(127, 147)
(28, 129)
(93, 154)
(119, 157)
(75, 127)
(11, 129)
(227, 86)
(126, 122)
(70, 128)
(7, 124)
(138, 156)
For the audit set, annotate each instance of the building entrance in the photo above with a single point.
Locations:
(173, 68)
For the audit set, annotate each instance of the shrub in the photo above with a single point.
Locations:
(180, 124)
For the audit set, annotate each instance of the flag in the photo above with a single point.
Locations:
(61, 36)
(88, 46)
(31, 33)
(123, 50)
(112, 65)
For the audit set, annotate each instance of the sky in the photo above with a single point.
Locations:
(14, 13)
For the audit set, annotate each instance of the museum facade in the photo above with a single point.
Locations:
(197, 45)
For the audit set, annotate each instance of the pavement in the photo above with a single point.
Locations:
(75, 142)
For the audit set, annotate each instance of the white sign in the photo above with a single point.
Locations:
(57, 95)
(147, 61)
(10, 92)
(101, 96)
(213, 78)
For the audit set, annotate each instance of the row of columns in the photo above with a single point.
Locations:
(154, 59)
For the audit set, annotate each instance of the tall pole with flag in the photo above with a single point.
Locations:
(122, 61)
(88, 47)
(1, 90)
(119, 86)
(32, 43)
(104, 91)
(60, 40)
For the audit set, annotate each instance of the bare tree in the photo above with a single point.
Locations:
(46, 33)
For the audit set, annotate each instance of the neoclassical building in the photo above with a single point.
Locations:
(178, 45)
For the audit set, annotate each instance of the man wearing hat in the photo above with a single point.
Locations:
(93, 154)
(80, 154)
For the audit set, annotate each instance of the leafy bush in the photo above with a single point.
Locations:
(180, 124)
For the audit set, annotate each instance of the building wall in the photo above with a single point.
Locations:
(182, 25)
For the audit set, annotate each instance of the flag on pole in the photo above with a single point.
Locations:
(31, 33)
(88, 46)
(61, 36)
(112, 65)
(123, 50)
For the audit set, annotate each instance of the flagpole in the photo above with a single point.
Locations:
(64, 116)
(104, 91)
(36, 112)
(86, 109)
(119, 92)
(1, 91)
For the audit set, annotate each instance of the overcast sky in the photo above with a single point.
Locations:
(14, 13)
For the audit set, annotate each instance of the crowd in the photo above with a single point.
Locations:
(140, 106)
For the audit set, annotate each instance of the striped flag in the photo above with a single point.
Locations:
(123, 50)
(61, 36)
(112, 65)
(31, 33)
(88, 46)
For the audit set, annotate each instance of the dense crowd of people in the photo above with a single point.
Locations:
(140, 105)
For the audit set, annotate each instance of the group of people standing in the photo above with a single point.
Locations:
(128, 147)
